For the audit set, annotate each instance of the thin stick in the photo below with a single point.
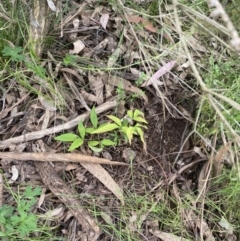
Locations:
(57, 157)
(39, 134)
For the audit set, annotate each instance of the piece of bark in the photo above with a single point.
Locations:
(68, 197)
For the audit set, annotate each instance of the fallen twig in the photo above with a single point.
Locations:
(57, 157)
(39, 134)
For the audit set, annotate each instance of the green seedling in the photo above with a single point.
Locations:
(69, 59)
(78, 140)
(132, 124)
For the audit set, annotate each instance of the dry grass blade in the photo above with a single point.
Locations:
(103, 176)
(76, 92)
(59, 157)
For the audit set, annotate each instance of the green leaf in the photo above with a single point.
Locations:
(130, 113)
(95, 149)
(66, 137)
(78, 142)
(140, 132)
(39, 71)
(69, 59)
(2, 234)
(137, 113)
(93, 117)
(105, 128)
(81, 129)
(93, 143)
(115, 119)
(107, 142)
(14, 53)
(140, 119)
(6, 210)
(129, 133)
(89, 130)
(141, 126)
(30, 192)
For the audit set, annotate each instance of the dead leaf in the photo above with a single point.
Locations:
(199, 152)
(168, 236)
(73, 72)
(48, 105)
(90, 97)
(78, 47)
(52, 213)
(222, 155)
(146, 24)
(104, 20)
(202, 178)
(103, 176)
(126, 85)
(162, 71)
(96, 85)
(15, 174)
(42, 197)
(76, 24)
(70, 167)
(51, 5)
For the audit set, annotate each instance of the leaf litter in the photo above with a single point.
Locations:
(109, 61)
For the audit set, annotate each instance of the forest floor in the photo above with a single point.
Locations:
(119, 120)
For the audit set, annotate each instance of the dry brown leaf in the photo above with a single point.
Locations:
(52, 213)
(222, 155)
(96, 85)
(78, 47)
(146, 24)
(73, 72)
(104, 20)
(90, 97)
(42, 197)
(5, 112)
(103, 176)
(168, 236)
(70, 167)
(76, 24)
(195, 44)
(202, 178)
(126, 85)
(48, 105)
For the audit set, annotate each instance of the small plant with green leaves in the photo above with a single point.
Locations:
(78, 140)
(19, 222)
(132, 124)
(15, 53)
